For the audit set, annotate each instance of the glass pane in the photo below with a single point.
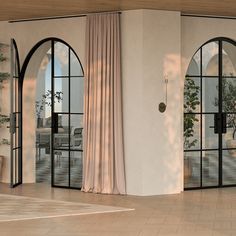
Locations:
(210, 59)
(192, 95)
(230, 135)
(194, 66)
(43, 89)
(16, 94)
(43, 143)
(16, 137)
(228, 59)
(13, 95)
(16, 166)
(76, 132)
(61, 95)
(77, 94)
(192, 128)
(76, 69)
(61, 168)
(209, 138)
(17, 119)
(61, 59)
(229, 94)
(192, 169)
(210, 168)
(43, 168)
(43, 160)
(14, 62)
(229, 165)
(61, 139)
(76, 169)
(210, 100)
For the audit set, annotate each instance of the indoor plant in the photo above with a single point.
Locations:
(191, 102)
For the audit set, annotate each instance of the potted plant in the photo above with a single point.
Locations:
(191, 102)
(3, 118)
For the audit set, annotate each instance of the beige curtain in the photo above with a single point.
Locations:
(104, 170)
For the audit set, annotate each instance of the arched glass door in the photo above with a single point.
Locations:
(15, 119)
(67, 116)
(210, 116)
(50, 96)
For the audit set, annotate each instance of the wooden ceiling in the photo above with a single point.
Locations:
(27, 9)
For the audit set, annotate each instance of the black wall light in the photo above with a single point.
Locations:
(162, 105)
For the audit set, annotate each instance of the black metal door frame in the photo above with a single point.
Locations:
(15, 118)
(55, 116)
(54, 124)
(220, 116)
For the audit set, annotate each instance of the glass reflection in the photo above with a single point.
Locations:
(210, 59)
(61, 55)
(192, 169)
(228, 59)
(210, 88)
(210, 168)
(209, 137)
(194, 66)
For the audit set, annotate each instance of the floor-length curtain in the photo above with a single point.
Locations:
(103, 166)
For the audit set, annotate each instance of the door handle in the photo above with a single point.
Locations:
(217, 123)
(220, 121)
(55, 123)
(224, 123)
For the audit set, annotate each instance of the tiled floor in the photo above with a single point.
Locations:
(207, 212)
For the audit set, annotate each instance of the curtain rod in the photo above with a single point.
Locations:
(61, 17)
(210, 16)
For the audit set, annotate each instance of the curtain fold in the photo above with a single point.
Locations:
(103, 165)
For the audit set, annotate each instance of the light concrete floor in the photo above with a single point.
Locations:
(199, 212)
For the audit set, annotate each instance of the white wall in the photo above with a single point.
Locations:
(153, 140)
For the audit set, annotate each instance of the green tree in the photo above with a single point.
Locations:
(191, 101)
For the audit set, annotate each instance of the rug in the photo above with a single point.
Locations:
(14, 208)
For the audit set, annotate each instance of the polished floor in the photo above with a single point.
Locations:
(201, 212)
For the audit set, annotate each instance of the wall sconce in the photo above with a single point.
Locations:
(162, 105)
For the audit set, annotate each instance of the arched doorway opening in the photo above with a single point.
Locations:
(210, 116)
(52, 88)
